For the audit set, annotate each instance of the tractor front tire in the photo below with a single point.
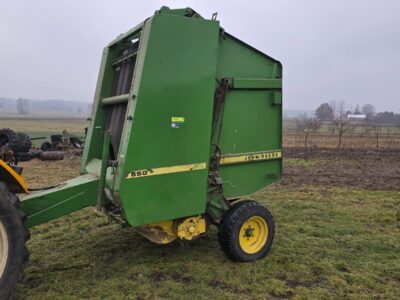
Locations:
(25, 143)
(13, 237)
(246, 231)
(8, 136)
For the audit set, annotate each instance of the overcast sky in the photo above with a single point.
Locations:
(343, 50)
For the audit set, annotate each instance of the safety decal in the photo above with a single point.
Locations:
(176, 122)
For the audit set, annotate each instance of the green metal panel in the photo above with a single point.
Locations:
(175, 77)
(252, 119)
(256, 83)
(70, 196)
(251, 123)
(102, 97)
(236, 59)
(97, 124)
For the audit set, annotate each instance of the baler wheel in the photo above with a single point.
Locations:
(246, 231)
(13, 236)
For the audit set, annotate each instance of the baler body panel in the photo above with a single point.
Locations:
(171, 121)
(154, 116)
(252, 119)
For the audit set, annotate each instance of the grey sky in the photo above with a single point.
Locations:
(344, 49)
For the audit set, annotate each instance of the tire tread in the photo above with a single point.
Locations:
(19, 235)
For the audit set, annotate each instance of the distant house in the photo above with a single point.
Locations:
(357, 117)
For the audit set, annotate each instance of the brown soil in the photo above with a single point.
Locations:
(355, 168)
(367, 169)
(40, 174)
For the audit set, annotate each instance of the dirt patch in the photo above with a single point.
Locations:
(367, 169)
(39, 174)
(346, 153)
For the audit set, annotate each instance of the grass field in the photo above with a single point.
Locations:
(337, 237)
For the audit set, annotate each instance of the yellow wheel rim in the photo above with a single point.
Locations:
(3, 248)
(253, 235)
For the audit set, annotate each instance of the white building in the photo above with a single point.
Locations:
(357, 117)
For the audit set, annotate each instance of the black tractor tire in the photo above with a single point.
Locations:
(15, 233)
(246, 231)
(25, 143)
(46, 146)
(9, 136)
(24, 156)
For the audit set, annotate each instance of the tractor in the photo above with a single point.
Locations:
(186, 124)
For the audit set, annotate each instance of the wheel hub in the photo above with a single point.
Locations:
(248, 232)
(253, 234)
(3, 248)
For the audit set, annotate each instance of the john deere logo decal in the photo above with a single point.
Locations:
(176, 122)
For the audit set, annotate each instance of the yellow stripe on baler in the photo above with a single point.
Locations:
(166, 170)
(249, 157)
(225, 160)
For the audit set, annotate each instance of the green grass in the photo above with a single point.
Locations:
(330, 243)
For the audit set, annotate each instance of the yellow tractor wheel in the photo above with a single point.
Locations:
(246, 231)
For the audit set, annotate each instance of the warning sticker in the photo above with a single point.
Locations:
(176, 122)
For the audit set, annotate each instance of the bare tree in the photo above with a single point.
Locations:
(391, 137)
(366, 126)
(342, 124)
(377, 129)
(332, 127)
(307, 125)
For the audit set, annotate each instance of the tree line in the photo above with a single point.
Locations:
(341, 121)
